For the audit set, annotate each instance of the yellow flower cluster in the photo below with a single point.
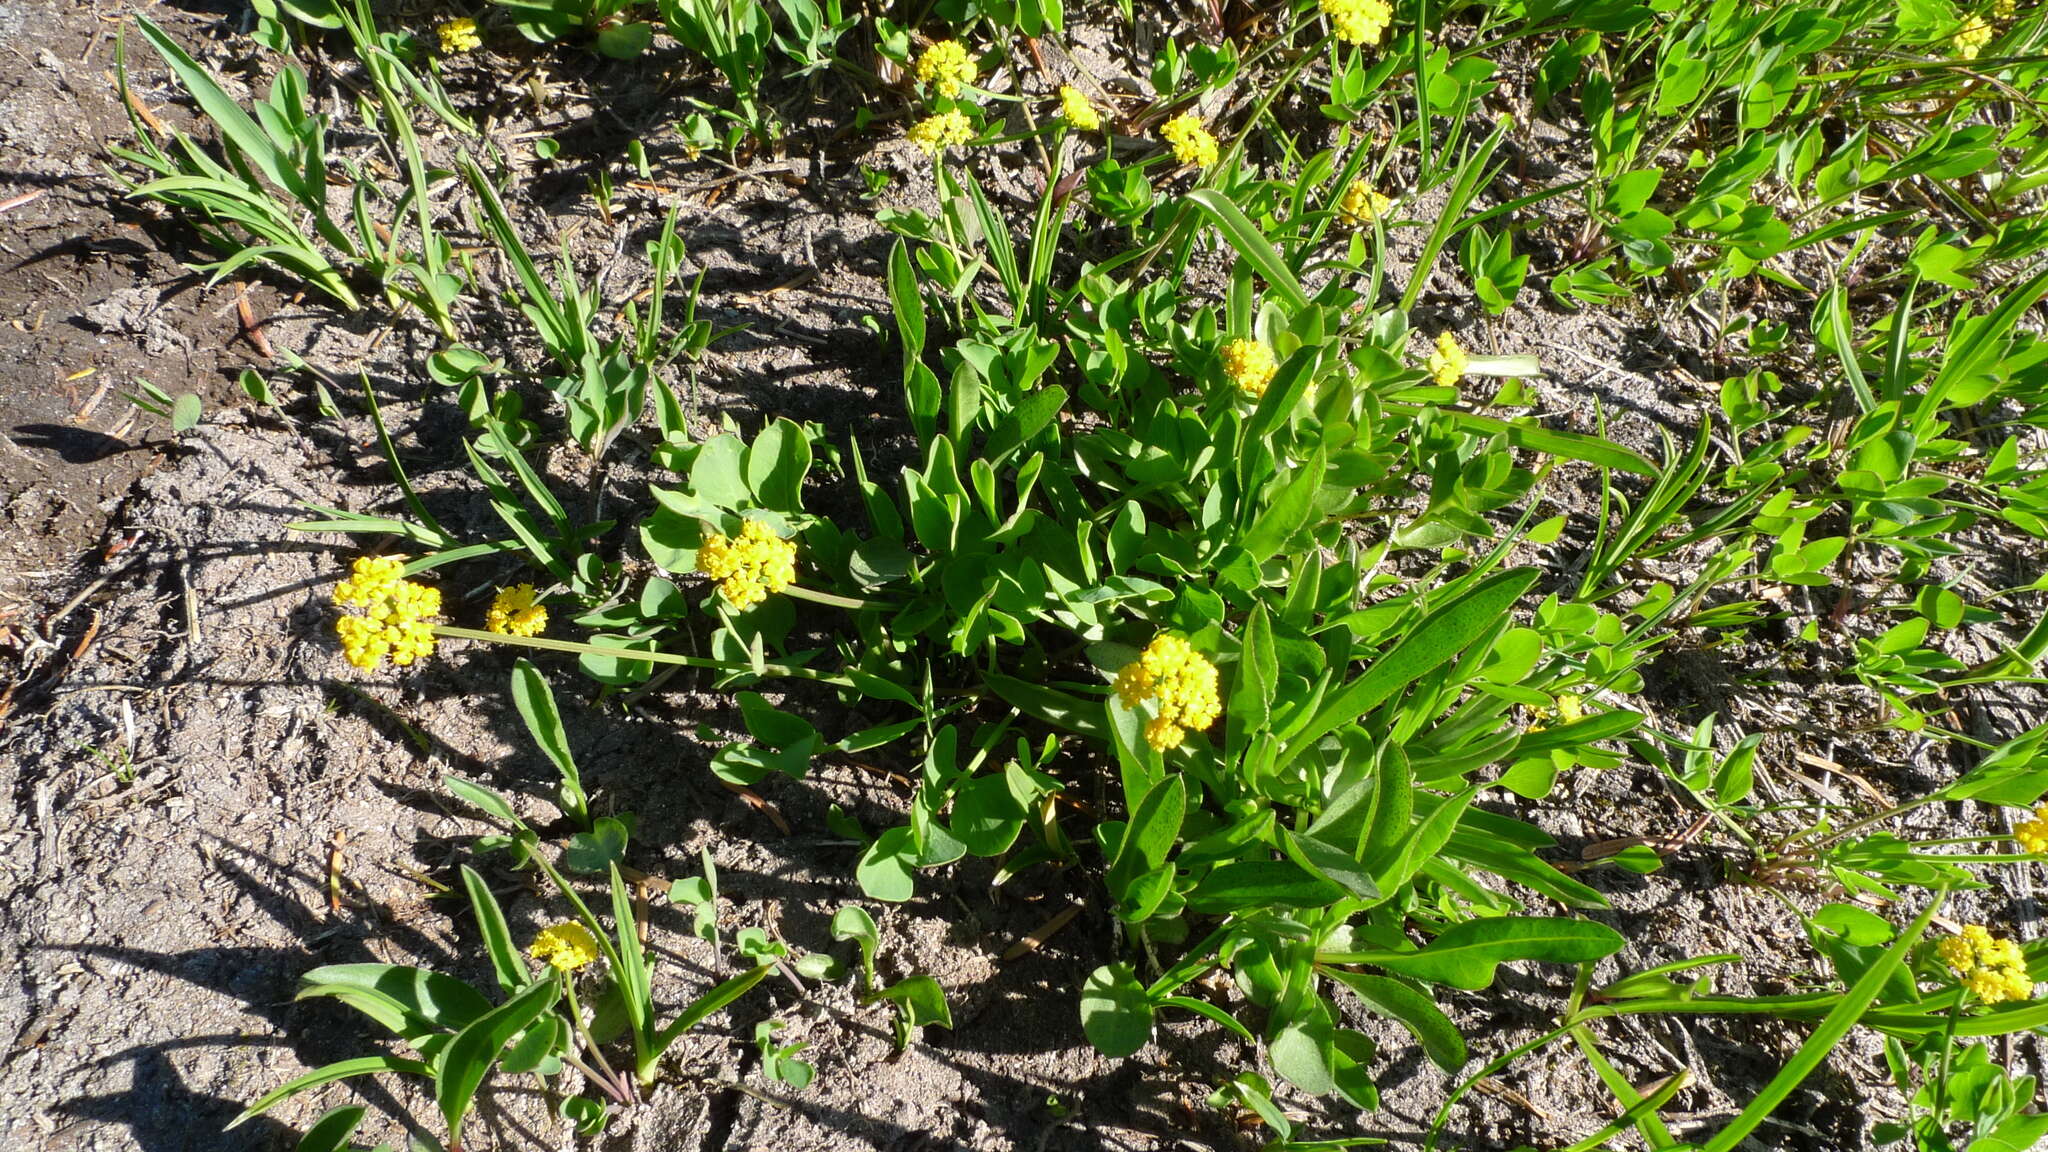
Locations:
(1181, 679)
(517, 611)
(458, 36)
(946, 68)
(1449, 361)
(1250, 365)
(1191, 142)
(1358, 21)
(935, 134)
(1991, 968)
(1971, 38)
(398, 614)
(1075, 109)
(1363, 204)
(2032, 833)
(564, 947)
(2003, 10)
(749, 568)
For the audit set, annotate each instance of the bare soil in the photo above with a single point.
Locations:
(203, 801)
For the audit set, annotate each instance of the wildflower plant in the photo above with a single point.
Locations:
(1191, 142)
(1075, 108)
(942, 130)
(946, 68)
(1186, 515)
(458, 36)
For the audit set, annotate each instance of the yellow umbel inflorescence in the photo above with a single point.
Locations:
(1250, 366)
(1191, 142)
(1183, 682)
(1358, 21)
(1075, 109)
(565, 947)
(946, 68)
(749, 568)
(398, 614)
(1971, 38)
(2032, 833)
(935, 134)
(517, 611)
(1363, 204)
(458, 36)
(1449, 361)
(1991, 967)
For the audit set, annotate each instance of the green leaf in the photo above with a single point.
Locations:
(1303, 1051)
(1289, 511)
(1430, 645)
(479, 796)
(1060, 709)
(1245, 884)
(414, 1003)
(1251, 244)
(703, 1006)
(1026, 420)
(331, 1131)
(460, 1068)
(600, 848)
(1594, 450)
(1212, 1012)
(1154, 827)
(536, 704)
(1466, 955)
(328, 1074)
(1418, 1013)
(185, 412)
(887, 870)
(1257, 679)
(1115, 1012)
(1332, 863)
(986, 815)
(506, 961)
(923, 1000)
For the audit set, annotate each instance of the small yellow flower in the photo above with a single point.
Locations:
(1992, 968)
(1449, 361)
(1191, 142)
(1075, 109)
(2032, 833)
(1570, 708)
(1182, 680)
(458, 36)
(2003, 10)
(397, 618)
(517, 611)
(370, 579)
(935, 134)
(1971, 38)
(946, 68)
(564, 947)
(1249, 365)
(1358, 21)
(749, 568)
(1363, 204)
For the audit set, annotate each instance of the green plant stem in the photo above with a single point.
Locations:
(615, 1085)
(836, 601)
(1948, 1037)
(787, 670)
